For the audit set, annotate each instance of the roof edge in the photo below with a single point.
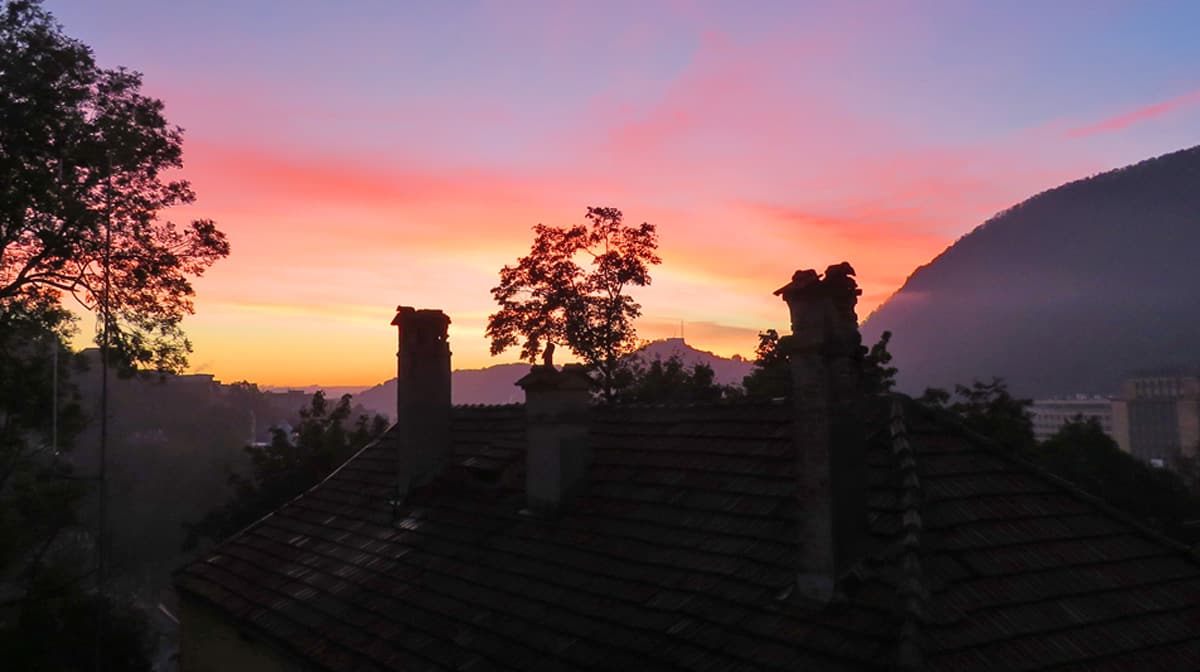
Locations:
(953, 422)
(199, 556)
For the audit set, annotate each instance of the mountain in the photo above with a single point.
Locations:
(496, 384)
(332, 392)
(1069, 291)
(725, 371)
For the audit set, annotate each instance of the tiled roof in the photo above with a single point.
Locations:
(1024, 572)
(681, 550)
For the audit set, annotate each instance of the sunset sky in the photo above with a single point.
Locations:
(361, 155)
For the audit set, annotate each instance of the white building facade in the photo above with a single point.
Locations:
(1049, 415)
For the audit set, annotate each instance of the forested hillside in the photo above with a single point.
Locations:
(1066, 292)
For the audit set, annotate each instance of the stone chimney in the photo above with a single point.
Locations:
(422, 396)
(558, 454)
(825, 353)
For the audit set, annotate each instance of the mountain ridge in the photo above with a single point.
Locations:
(496, 384)
(1067, 291)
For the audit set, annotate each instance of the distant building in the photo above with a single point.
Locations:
(200, 388)
(1049, 415)
(1158, 416)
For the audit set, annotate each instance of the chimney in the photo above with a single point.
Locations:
(558, 454)
(422, 396)
(825, 354)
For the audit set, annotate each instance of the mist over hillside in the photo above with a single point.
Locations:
(496, 384)
(1066, 292)
(172, 440)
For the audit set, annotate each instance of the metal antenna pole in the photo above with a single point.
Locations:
(102, 476)
(54, 399)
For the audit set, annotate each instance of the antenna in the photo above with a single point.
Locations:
(54, 398)
(102, 477)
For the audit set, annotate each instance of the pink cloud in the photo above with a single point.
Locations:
(736, 111)
(884, 245)
(271, 176)
(1123, 121)
(746, 123)
(329, 204)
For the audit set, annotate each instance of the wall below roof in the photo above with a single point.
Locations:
(209, 643)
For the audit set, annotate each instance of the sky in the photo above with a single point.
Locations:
(365, 155)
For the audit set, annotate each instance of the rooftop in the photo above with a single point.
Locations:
(680, 553)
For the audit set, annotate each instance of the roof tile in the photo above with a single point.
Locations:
(677, 552)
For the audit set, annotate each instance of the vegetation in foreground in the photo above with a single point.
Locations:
(288, 466)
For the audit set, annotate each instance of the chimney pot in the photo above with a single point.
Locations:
(825, 355)
(558, 453)
(422, 396)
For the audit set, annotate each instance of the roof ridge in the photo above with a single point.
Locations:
(735, 402)
(911, 588)
(508, 406)
(996, 449)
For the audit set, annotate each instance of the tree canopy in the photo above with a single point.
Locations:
(878, 376)
(570, 289)
(1082, 453)
(85, 172)
(36, 501)
(85, 159)
(989, 408)
(668, 380)
(772, 377)
(289, 465)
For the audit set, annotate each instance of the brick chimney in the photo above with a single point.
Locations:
(558, 454)
(422, 396)
(825, 353)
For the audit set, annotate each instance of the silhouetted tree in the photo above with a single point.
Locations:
(288, 466)
(1080, 453)
(84, 154)
(935, 396)
(549, 297)
(878, 377)
(83, 160)
(989, 409)
(45, 612)
(83, 164)
(37, 500)
(772, 377)
(668, 380)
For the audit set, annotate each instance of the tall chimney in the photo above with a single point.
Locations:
(422, 396)
(558, 454)
(825, 354)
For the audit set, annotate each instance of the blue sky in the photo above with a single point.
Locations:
(365, 154)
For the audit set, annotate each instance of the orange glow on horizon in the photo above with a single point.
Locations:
(753, 157)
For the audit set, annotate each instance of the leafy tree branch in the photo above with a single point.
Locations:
(570, 289)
